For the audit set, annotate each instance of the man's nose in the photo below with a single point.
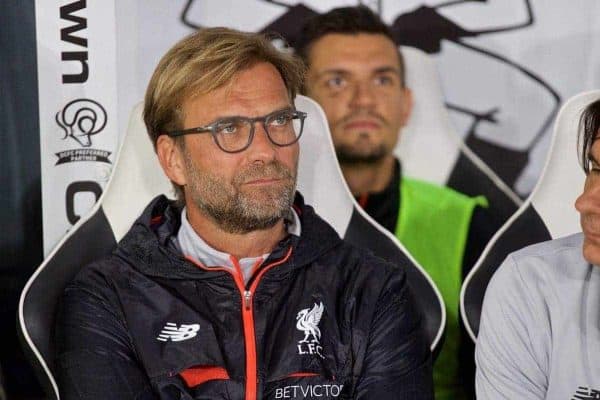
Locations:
(580, 202)
(363, 95)
(589, 200)
(261, 148)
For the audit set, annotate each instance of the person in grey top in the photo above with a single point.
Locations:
(539, 336)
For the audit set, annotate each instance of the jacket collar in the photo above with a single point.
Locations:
(148, 245)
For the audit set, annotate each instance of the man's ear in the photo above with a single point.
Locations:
(407, 105)
(170, 156)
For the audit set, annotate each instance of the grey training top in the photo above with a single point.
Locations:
(192, 245)
(539, 336)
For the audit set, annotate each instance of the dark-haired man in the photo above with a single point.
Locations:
(539, 335)
(356, 73)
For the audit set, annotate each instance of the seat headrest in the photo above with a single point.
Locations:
(428, 145)
(562, 178)
(320, 178)
(138, 176)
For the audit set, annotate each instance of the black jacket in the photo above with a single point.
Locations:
(319, 319)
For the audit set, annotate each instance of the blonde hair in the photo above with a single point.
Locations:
(203, 62)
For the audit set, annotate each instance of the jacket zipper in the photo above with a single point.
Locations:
(248, 320)
(248, 317)
(247, 298)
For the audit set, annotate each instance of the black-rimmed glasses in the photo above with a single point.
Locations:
(235, 134)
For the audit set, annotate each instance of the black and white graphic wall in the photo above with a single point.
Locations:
(505, 67)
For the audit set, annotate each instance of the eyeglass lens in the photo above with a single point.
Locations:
(234, 134)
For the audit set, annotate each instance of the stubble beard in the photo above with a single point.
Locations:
(238, 209)
(349, 154)
(354, 153)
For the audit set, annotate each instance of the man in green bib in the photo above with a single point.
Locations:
(356, 73)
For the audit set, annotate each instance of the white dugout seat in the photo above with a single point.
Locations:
(548, 213)
(137, 178)
(432, 150)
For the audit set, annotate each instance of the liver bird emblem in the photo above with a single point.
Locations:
(308, 321)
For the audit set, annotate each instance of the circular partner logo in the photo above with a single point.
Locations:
(80, 119)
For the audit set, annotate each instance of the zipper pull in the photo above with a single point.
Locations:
(247, 299)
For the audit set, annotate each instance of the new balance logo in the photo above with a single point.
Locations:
(177, 334)
(585, 393)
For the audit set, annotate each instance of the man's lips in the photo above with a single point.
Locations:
(595, 236)
(590, 228)
(362, 124)
(263, 181)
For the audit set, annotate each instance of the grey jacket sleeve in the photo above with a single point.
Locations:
(512, 353)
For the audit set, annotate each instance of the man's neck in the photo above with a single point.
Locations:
(239, 245)
(369, 177)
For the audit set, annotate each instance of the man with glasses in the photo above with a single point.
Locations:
(236, 290)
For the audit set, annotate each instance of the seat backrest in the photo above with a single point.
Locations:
(432, 150)
(137, 178)
(548, 213)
